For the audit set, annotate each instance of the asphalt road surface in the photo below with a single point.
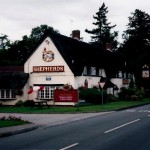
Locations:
(122, 130)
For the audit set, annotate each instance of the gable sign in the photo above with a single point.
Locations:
(48, 68)
(48, 55)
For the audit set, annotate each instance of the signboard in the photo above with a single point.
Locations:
(65, 95)
(48, 68)
(145, 74)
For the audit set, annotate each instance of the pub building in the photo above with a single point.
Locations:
(59, 60)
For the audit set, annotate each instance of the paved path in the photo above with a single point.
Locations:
(52, 119)
(42, 120)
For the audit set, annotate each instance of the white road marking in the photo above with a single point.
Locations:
(121, 126)
(70, 146)
(132, 110)
(140, 110)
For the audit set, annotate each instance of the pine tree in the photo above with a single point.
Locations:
(137, 38)
(136, 45)
(102, 34)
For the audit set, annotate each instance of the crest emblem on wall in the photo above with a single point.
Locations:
(48, 55)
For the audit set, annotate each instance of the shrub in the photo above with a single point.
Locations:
(10, 118)
(126, 94)
(28, 103)
(134, 98)
(111, 98)
(19, 103)
(147, 93)
(92, 95)
(131, 94)
(140, 93)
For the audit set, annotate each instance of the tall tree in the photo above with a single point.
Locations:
(38, 32)
(23, 48)
(136, 43)
(102, 33)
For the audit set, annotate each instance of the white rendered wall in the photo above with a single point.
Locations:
(66, 77)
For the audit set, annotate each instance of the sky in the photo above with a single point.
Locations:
(19, 17)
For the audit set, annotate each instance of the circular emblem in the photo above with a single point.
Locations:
(48, 55)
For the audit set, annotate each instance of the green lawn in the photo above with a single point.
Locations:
(7, 123)
(61, 109)
(82, 108)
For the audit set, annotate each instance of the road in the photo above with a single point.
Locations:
(122, 130)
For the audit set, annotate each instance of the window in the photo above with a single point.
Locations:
(7, 94)
(120, 74)
(85, 70)
(93, 71)
(47, 92)
(100, 72)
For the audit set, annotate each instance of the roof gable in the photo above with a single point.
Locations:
(77, 54)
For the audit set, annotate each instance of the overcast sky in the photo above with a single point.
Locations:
(18, 17)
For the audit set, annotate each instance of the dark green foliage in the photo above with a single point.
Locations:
(111, 98)
(136, 46)
(17, 52)
(92, 95)
(131, 94)
(147, 93)
(126, 94)
(102, 33)
(28, 103)
(19, 103)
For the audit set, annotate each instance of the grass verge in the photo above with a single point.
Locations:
(8, 123)
(81, 109)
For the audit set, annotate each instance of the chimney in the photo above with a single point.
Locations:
(76, 34)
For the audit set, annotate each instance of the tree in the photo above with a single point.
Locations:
(102, 33)
(23, 48)
(136, 43)
(38, 32)
(4, 41)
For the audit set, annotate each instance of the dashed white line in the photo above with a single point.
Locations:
(132, 110)
(121, 126)
(70, 146)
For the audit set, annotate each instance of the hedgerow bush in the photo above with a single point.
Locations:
(126, 93)
(92, 95)
(147, 93)
(19, 103)
(131, 94)
(28, 103)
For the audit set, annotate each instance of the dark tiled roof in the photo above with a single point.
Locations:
(12, 68)
(13, 80)
(78, 54)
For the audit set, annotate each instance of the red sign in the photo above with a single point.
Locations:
(65, 95)
(48, 68)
